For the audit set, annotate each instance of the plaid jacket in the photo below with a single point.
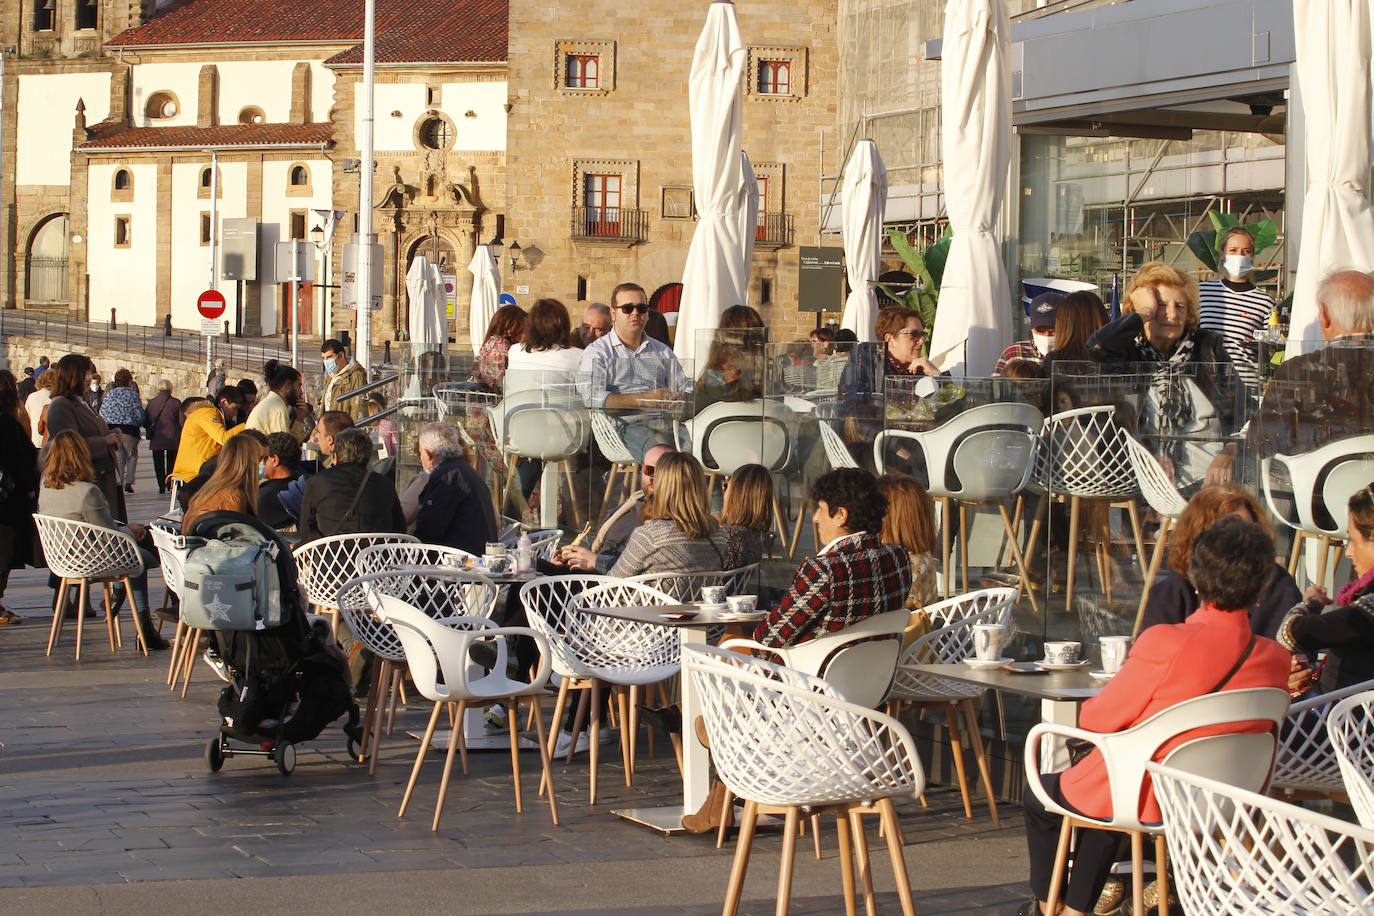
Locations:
(858, 577)
(1022, 349)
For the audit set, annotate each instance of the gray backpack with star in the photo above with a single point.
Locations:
(231, 581)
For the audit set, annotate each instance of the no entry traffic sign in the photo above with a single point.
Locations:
(210, 303)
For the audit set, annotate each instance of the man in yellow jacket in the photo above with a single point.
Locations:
(207, 427)
(342, 375)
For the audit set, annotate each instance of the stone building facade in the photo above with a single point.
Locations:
(599, 165)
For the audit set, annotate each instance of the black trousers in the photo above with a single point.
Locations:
(1093, 857)
(163, 462)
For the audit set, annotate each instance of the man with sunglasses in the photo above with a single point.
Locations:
(626, 368)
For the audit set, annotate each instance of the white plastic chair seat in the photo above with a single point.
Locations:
(1344, 467)
(1306, 759)
(1237, 853)
(727, 435)
(443, 595)
(326, 563)
(986, 452)
(1350, 726)
(550, 425)
(622, 651)
(80, 553)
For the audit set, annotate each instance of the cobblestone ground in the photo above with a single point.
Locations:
(106, 806)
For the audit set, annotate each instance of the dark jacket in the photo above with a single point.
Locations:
(1348, 632)
(329, 494)
(456, 508)
(1114, 342)
(164, 422)
(270, 508)
(1173, 600)
(19, 461)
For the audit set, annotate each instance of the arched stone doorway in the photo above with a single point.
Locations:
(45, 261)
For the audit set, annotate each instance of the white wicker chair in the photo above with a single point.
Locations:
(948, 643)
(170, 552)
(1243, 759)
(624, 465)
(1351, 727)
(441, 594)
(782, 745)
(544, 542)
(80, 553)
(1165, 499)
(837, 453)
(1306, 762)
(434, 650)
(1344, 467)
(1238, 853)
(1082, 455)
(325, 564)
(381, 557)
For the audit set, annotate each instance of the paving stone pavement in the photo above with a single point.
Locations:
(106, 806)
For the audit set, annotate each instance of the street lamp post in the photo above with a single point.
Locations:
(365, 265)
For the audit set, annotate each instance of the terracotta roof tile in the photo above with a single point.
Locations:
(408, 31)
(246, 135)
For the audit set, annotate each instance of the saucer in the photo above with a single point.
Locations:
(1057, 666)
(1101, 675)
(730, 616)
(702, 605)
(975, 662)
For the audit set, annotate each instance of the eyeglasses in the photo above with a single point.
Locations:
(642, 309)
(915, 335)
(648, 470)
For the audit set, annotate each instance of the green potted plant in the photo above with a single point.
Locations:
(928, 267)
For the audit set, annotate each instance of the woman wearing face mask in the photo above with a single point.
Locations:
(1080, 315)
(1233, 306)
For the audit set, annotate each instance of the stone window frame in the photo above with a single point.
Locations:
(203, 190)
(684, 193)
(118, 194)
(796, 58)
(206, 229)
(605, 51)
(165, 95)
(298, 190)
(776, 173)
(248, 113)
(427, 116)
(123, 222)
(627, 169)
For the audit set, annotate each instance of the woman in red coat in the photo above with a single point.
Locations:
(1212, 650)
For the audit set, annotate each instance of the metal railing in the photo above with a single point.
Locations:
(612, 224)
(774, 230)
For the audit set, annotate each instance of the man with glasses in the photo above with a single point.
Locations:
(626, 371)
(596, 324)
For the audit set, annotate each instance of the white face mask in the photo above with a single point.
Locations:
(95, 386)
(1237, 265)
(1044, 343)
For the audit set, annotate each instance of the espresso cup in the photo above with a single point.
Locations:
(742, 604)
(1063, 653)
(713, 594)
(987, 641)
(1114, 652)
(495, 549)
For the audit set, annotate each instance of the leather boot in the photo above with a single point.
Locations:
(151, 638)
(708, 817)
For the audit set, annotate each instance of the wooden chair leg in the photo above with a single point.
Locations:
(594, 742)
(448, 772)
(177, 635)
(782, 525)
(372, 691)
(865, 868)
(59, 609)
(846, 861)
(816, 833)
(572, 494)
(743, 844)
(1162, 873)
(513, 725)
(1156, 559)
(191, 651)
(894, 850)
(963, 545)
(1104, 551)
(976, 739)
(381, 681)
(726, 800)
(1061, 860)
(789, 853)
(545, 756)
(83, 590)
(632, 716)
(420, 759)
(1296, 553)
(459, 734)
(1073, 551)
(944, 541)
(956, 749)
(1018, 557)
(626, 758)
(1137, 872)
(111, 617)
(797, 530)
(558, 705)
(1325, 548)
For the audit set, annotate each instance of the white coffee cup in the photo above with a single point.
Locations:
(1114, 652)
(1063, 653)
(742, 604)
(987, 641)
(713, 594)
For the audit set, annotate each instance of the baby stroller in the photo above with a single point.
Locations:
(288, 678)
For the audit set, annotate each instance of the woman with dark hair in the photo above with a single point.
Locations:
(746, 514)
(69, 410)
(164, 431)
(910, 523)
(542, 358)
(94, 394)
(734, 363)
(68, 491)
(122, 408)
(276, 413)
(1174, 598)
(506, 328)
(1080, 315)
(18, 490)
(1347, 630)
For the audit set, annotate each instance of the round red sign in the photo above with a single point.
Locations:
(210, 303)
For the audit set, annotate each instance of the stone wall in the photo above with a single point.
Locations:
(186, 376)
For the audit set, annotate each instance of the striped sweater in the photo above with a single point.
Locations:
(1235, 312)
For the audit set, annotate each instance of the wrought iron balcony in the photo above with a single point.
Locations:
(774, 230)
(610, 225)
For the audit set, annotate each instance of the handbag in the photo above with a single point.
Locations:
(1078, 748)
(348, 515)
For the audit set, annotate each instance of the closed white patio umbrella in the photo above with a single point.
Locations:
(863, 198)
(973, 321)
(1333, 65)
(717, 272)
(426, 302)
(486, 292)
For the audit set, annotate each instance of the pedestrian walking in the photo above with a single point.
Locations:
(164, 431)
(123, 410)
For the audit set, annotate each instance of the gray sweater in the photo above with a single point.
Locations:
(659, 546)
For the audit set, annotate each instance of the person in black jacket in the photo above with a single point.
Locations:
(348, 498)
(1173, 599)
(164, 432)
(455, 505)
(280, 468)
(18, 489)
(1158, 323)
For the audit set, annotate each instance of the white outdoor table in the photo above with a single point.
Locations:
(1060, 693)
(696, 769)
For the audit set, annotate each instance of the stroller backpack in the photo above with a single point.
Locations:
(231, 581)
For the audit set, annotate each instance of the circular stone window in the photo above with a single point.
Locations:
(435, 133)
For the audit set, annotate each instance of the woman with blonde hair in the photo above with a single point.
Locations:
(234, 485)
(1158, 323)
(69, 491)
(746, 514)
(678, 534)
(1173, 599)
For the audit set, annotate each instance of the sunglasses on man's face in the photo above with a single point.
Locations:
(648, 470)
(631, 309)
